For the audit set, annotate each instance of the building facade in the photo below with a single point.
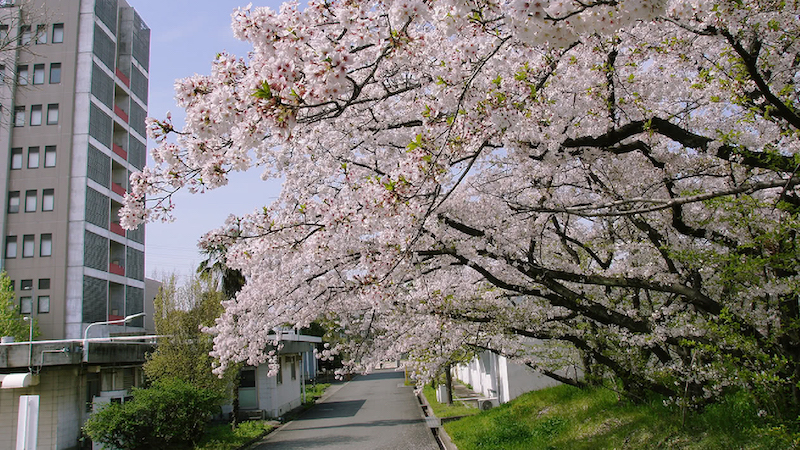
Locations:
(74, 132)
(264, 396)
(73, 101)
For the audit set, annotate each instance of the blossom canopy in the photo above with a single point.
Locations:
(610, 183)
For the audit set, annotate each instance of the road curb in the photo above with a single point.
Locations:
(441, 436)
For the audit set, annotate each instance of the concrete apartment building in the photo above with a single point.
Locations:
(73, 101)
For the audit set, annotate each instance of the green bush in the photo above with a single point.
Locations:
(170, 414)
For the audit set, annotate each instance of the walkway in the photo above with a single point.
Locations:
(371, 412)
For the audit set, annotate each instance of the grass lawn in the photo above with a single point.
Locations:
(442, 410)
(565, 417)
(221, 437)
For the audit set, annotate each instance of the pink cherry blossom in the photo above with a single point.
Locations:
(563, 182)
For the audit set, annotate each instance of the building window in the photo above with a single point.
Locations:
(25, 35)
(41, 34)
(13, 284)
(25, 305)
(44, 283)
(3, 33)
(22, 75)
(36, 115)
(28, 245)
(13, 202)
(19, 116)
(16, 158)
(50, 156)
(2, 73)
(46, 245)
(44, 304)
(11, 246)
(26, 285)
(33, 157)
(247, 378)
(55, 73)
(58, 33)
(52, 114)
(30, 201)
(279, 377)
(38, 74)
(293, 362)
(48, 199)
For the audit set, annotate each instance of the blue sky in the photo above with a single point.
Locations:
(185, 37)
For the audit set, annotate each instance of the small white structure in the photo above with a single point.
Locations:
(274, 396)
(28, 422)
(502, 380)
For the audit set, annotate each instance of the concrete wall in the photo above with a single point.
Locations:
(481, 374)
(61, 409)
(492, 375)
(519, 379)
(151, 289)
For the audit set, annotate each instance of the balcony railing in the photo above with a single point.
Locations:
(120, 113)
(115, 227)
(125, 80)
(116, 269)
(117, 189)
(119, 151)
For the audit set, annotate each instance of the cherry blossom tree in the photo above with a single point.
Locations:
(608, 180)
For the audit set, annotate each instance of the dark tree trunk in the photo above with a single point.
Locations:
(448, 380)
(235, 404)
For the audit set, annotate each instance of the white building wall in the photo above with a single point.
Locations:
(505, 392)
(274, 398)
(468, 374)
(265, 386)
(310, 365)
(481, 374)
(487, 372)
(287, 394)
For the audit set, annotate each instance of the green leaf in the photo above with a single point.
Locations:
(264, 92)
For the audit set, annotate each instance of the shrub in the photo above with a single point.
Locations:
(168, 415)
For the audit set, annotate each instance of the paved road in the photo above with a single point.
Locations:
(371, 412)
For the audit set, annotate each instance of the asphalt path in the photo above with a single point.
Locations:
(370, 412)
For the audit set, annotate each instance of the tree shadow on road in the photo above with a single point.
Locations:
(374, 423)
(329, 410)
(381, 374)
(312, 442)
